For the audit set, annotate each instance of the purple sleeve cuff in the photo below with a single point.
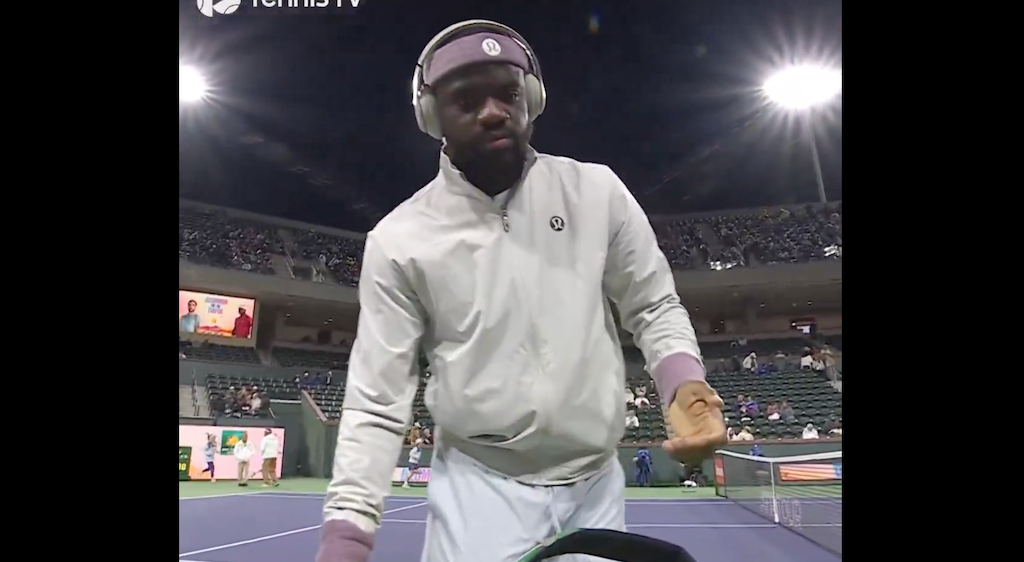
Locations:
(674, 371)
(342, 541)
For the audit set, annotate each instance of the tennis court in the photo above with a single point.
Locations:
(284, 526)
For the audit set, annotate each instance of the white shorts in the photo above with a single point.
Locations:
(476, 514)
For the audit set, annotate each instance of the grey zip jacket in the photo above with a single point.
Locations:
(508, 298)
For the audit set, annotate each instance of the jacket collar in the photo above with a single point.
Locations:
(456, 180)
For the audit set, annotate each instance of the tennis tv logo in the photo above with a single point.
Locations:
(223, 7)
(209, 8)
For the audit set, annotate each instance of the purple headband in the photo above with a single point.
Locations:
(472, 49)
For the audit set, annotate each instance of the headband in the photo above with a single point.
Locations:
(473, 49)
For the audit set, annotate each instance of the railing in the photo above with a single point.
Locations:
(195, 394)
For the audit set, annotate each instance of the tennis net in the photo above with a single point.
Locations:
(802, 493)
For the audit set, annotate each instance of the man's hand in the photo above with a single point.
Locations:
(697, 423)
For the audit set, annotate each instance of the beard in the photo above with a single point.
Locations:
(492, 171)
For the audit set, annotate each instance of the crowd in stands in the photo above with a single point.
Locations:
(340, 254)
(802, 234)
(783, 236)
(217, 239)
(683, 244)
(777, 396)
(244, 401)
(307, 380)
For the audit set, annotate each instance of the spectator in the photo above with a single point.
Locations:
(780, 361)
(834, 426)
(806, 359)
(632, 422)
(750, 362)
(749, 409)
(810, 432)
(744, 435)
(641, 397)
(786, 410)
(773, 412)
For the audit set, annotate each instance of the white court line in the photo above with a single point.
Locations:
(320, 497)
(213, 496)
(284, 534)
(294, 495)
(670, 525)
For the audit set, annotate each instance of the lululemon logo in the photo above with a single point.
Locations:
(557, 223)
(491, 47)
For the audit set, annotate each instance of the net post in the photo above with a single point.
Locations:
(775, 495)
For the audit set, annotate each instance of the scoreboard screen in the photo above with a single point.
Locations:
(184, 459)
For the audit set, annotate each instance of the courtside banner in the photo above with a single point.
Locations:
(184, 458)
(422, 476)
(810, 472)
(194, 437)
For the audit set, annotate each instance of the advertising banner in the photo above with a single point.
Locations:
(207, 314)
(195, 438)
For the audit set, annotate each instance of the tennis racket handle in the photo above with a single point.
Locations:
(342, 541)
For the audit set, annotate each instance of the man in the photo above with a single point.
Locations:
(269, 449)
(501, 270)
(243, 452)
(190, 322)
(243, 324)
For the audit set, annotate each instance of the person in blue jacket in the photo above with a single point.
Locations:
(642, 472)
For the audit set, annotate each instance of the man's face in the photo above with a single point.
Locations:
(483, 114)
(241, 311)
(191, 306)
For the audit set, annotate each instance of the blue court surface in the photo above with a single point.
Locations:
(285, 527)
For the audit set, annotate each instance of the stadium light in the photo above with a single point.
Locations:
(191, 85)
(803, 88)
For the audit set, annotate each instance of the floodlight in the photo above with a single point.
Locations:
(191, 85)
(803, 87)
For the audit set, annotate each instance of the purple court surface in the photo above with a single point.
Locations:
(285, 527)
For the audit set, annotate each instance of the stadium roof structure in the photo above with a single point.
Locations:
(309, 118)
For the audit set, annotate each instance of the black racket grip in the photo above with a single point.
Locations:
(613, 545)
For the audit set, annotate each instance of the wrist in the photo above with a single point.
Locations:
(342, 541)
(675, 371)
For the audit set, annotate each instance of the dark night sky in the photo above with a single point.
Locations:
(664, 92)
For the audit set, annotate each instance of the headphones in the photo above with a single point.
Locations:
(423, 102)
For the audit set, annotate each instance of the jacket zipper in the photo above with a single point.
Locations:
(535, 352)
